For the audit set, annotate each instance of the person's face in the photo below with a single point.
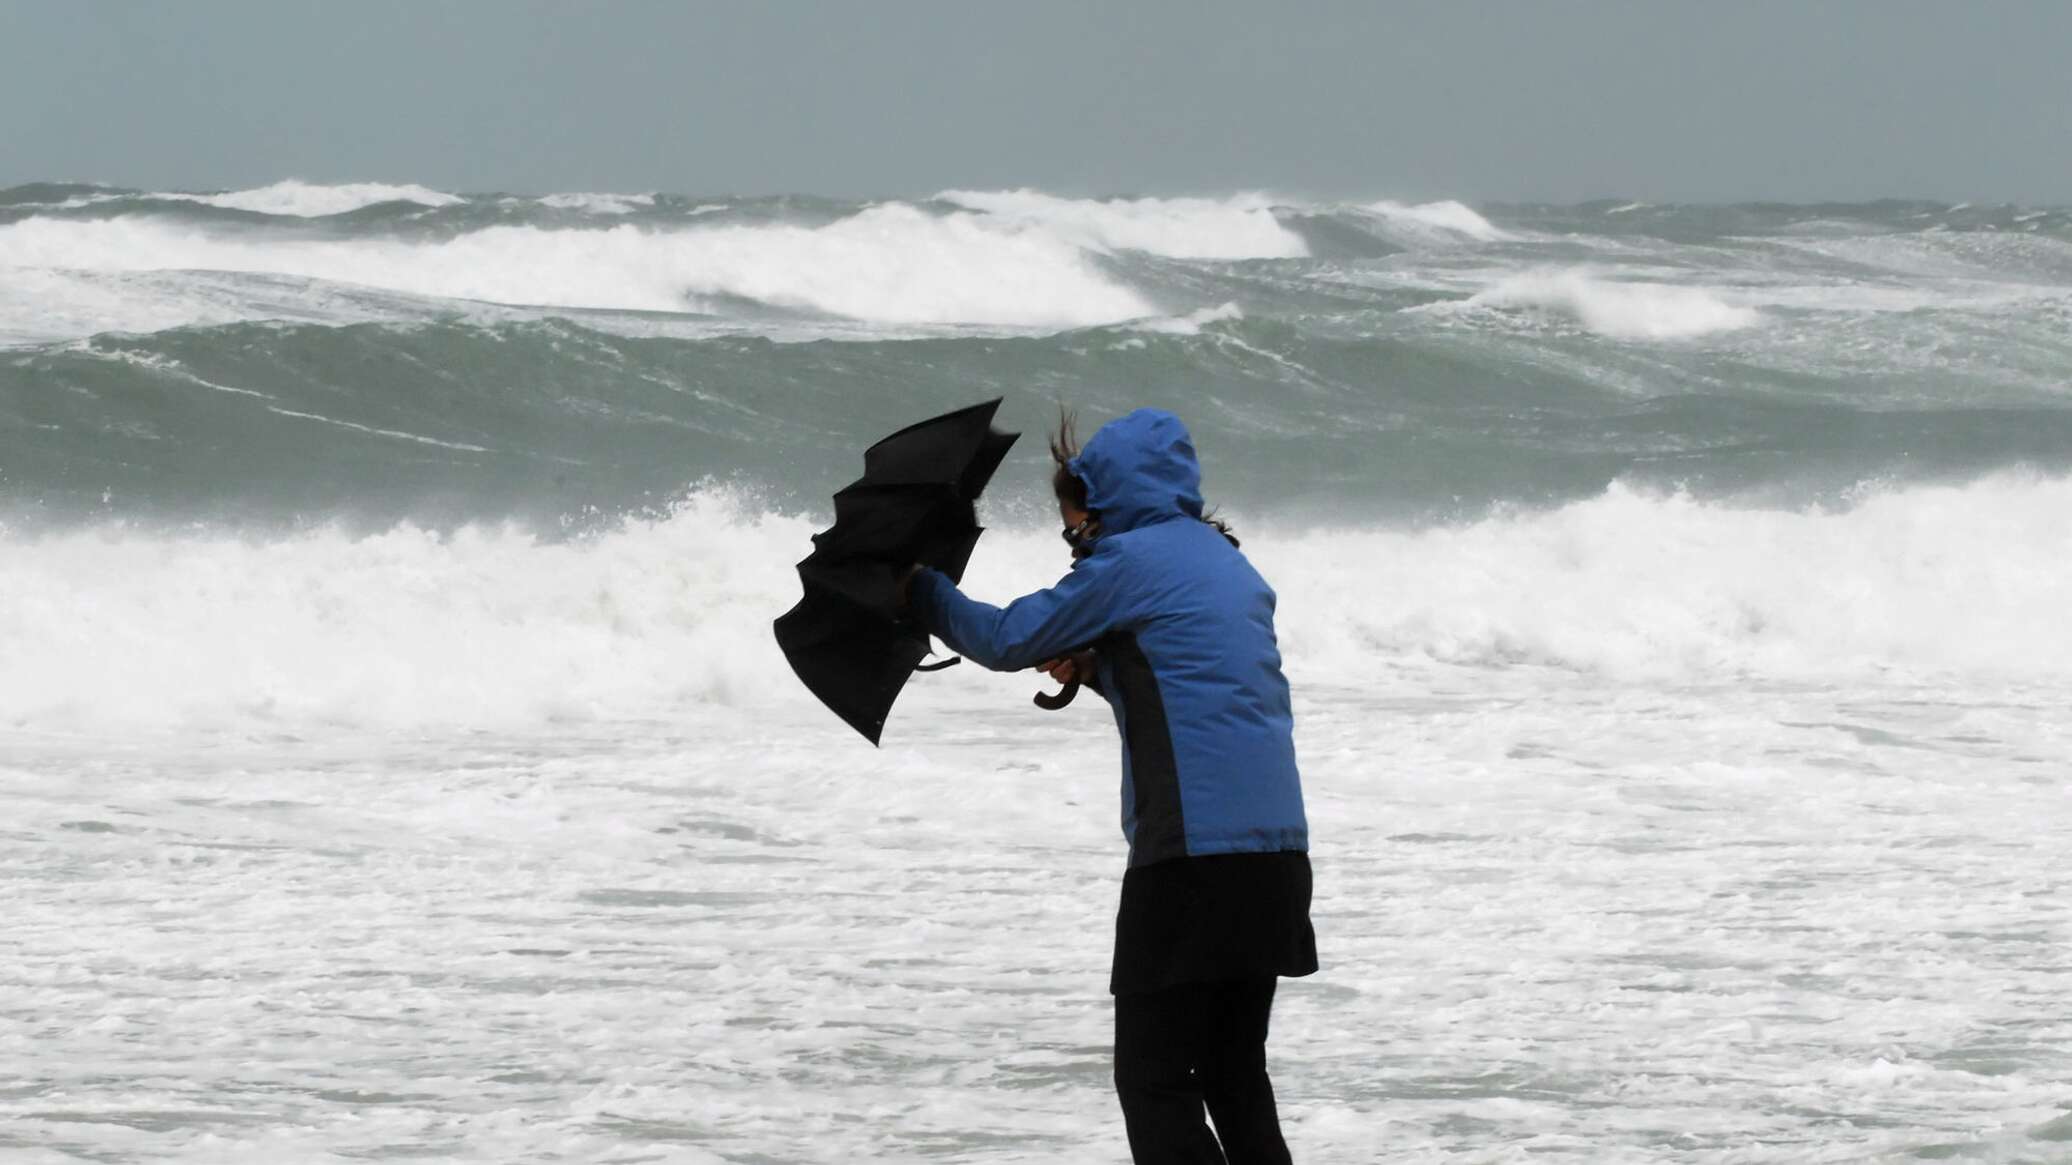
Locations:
(1071, 514)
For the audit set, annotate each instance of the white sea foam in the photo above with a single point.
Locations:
(116, 629)
(72, 203)
(1238, 227)
(1957, 580)
(599, 203)
(486, 627)
(39, 305)
(1190, 324)
(300, 199)
(1619, 308)
(891, 263)
(1446, 217)
(733, 931)
(1966, 256)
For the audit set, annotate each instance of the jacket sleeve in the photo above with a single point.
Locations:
(1084, 605)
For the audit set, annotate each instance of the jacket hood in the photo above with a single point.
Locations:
(1139, 469)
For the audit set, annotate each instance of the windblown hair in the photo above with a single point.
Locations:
(1071, 490)
(1064, 446)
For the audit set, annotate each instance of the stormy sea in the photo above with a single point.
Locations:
(396, 762)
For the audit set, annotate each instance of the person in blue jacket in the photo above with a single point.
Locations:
(1166, 618)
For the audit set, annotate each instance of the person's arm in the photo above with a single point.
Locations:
(1084, 605)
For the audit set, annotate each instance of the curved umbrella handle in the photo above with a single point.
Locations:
(1050, 703)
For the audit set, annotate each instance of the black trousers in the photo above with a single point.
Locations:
(1192, 1046)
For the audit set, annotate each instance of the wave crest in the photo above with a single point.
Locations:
(484, 627)
(1239, 227)
(298, 199)
(1446, 216)
(1929, 581)
(493, 627)
(1621, 309)
(892, 264)
(592, 203)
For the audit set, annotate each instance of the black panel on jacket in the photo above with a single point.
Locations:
(1161, 832)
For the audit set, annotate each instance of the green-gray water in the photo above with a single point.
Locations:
(561, 359)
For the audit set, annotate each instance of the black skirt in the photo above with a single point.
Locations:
(1201, 920)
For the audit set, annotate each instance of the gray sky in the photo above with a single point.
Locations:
(1559, 100)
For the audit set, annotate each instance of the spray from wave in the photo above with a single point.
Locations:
(599, 203)
(892, 264)
(1955, 581)
(314, 200)
(1622, 309)
(116, 629)
(481, 627)
(1017, 259)
(1240, 227)
(1437, 219)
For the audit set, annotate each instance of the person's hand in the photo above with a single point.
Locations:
(906, 584)
(1066, 669)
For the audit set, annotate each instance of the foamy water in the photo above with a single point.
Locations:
(490, 849)
(1622, 310)
(1241, 227)
(1735, 921)
(891, 264)
(316, 200)
(1427, 220)
(117, 629)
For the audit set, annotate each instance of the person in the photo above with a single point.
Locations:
(1164, 616)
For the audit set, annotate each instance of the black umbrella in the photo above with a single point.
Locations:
(847, 638)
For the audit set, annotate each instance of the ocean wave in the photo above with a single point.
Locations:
(1439, 419)
(1989, 257)
(1190, 324)
(599, 203)
(1446, 217)
(42, 305)
(1238, 227)
(602, 360)
(297, 199)
(1622, 309)
(1927, 580)
(119, 629)
(891, 263)
(408, 628)
(103, 259)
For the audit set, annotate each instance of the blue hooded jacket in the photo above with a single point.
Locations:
(1183, 628)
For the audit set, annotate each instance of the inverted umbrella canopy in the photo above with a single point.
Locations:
(847, 638)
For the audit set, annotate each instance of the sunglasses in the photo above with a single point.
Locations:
(1078, 536)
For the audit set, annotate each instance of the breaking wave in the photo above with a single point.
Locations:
(446, 359)
(892, 263)
(1917, 582)
(1444, 217)
(600, 203)
(1239, 227)
(116, 628)
(1623, 309)
(314, 200)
